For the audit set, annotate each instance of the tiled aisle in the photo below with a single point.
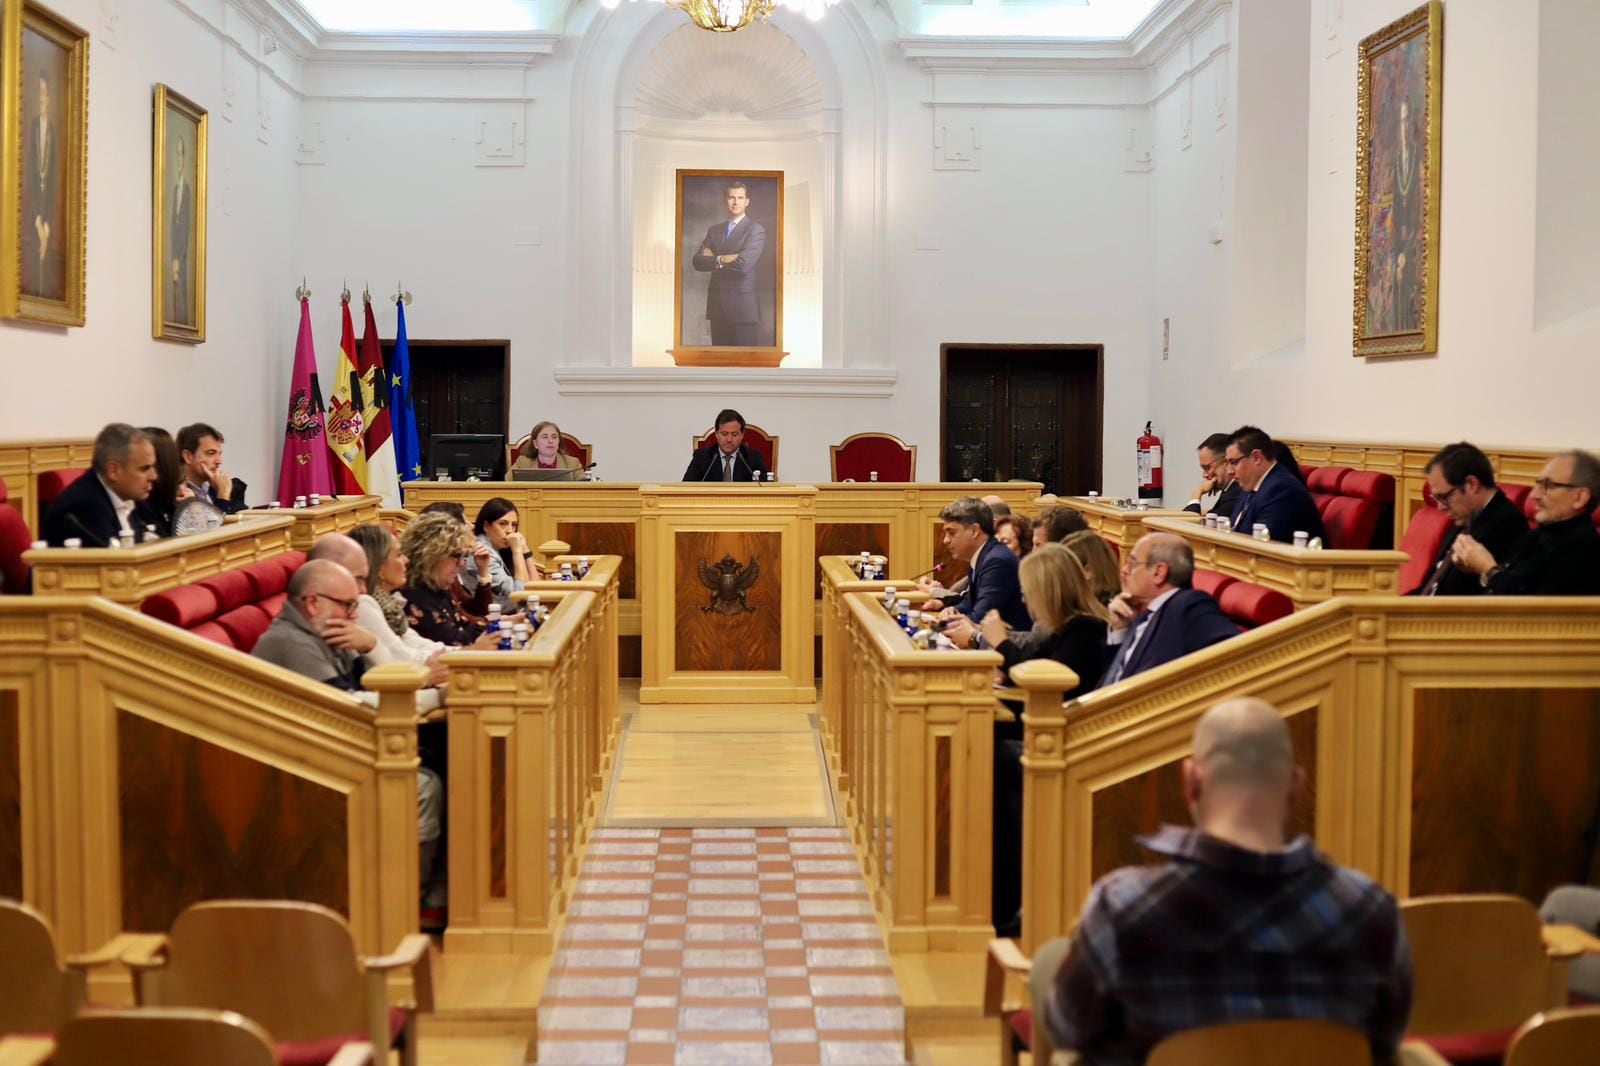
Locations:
(703, 947)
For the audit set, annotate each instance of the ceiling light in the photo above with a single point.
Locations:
(726, 16)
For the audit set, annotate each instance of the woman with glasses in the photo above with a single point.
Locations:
(505, 564)
(382, 610)
(435, 547)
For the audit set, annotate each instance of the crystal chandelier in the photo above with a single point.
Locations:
(725, 16)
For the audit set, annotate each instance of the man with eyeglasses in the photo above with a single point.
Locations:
(1561, 557)
(1271, 494)
(1159, 616)
(315, 634)
(1218, 489)
(1461, 480)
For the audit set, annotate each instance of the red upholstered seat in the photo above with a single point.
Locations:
(1368, 485)
(755, 436)
(233, 607)
(1253, 605)
(233, 588)
(1022, 1025)
(1350, 522)
(856, 458)
(186, 606)
(1212, 583)
(1522, 496)
(214, 633)
(318, 1052)
(273, 605)
(1470, 1049)
(1327, 479)
(244, 625)
(51, 484)
(1424, 534)
(15, 538)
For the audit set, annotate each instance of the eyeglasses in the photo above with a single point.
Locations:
(1443, 498)
(1232, 462)
(1544, 484)
(348, 605)
(461, 557)
(1130, 562)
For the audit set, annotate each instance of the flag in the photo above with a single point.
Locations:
(305, 452)
(407, 449)
(382, 478)
(347, 415)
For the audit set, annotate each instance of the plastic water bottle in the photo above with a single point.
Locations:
(771, 477)
(535, 612)
(583, 566)
(872, 475)
(865, 566)
(493, 625)
(150, 535)
(39, 545)
(566, 571)
(520, 635)
(299, 503)
(902, 611)
(125, 539)
(71, 542)
(316, 499)
(889, 597)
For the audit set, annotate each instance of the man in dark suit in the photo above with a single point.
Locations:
(992, 577)
(728, 457)
(1561, 557)
(178, 254)
(112, 498)
(729, 254)
(1218, 489)
(200, 451)
(1159, 616)
(1462, 482)
(1271, 494)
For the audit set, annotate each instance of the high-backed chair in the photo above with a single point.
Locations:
(176, 1038)
(570, 445)
(1557, 1038)
(1423, 536)
(758, 438)
(51, 484)
(39, 991)
(857, 456)
(1302, 1042)
(293, 968)
(15, 538)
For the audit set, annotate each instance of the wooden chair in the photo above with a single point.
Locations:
(176, 1038)
(1481, 969)
(293, 968)
(570, 445)
(758, 438)
(1557, 1038)
(39, 991)
(859, 454)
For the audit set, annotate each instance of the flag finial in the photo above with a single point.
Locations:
(401, 295)
(303, 292)
(366, 294)
(344, 295)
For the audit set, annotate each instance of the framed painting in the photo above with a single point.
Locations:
(1398, 123)
(46, 139)
(728, 269)
(178, 220)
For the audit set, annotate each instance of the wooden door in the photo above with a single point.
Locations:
(459, 387)
(1030, 413)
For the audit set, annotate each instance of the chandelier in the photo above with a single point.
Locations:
(725, 16)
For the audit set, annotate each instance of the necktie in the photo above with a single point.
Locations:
(727, 468)
(725, 236)
(1241, 513)
(1119, 665)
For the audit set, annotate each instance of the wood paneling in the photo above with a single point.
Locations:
(10, 799)
(630, 657)
(742, 640)
(497, 817)
(954, 569)
(1503, 782)
(605, 538)
(1139, 805)
(849, 538)
(942, 834)
(200, 822)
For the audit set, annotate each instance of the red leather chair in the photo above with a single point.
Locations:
(1246, 603)
(1354, 516)
(758, 438)
(1424, 533)
(570, 445)
(858, 455)
(51, 485)
(15, 538)
(233, 608)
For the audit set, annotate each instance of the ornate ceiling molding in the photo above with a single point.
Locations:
(758, 74)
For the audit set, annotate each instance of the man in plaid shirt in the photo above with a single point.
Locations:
(1237, 925)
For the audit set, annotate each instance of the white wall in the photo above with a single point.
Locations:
(68, 382)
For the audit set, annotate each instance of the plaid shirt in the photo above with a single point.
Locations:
(1223, 934)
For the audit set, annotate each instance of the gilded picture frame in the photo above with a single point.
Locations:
(178, 218)
(44, 91)
(1399, 90)
(727, 308)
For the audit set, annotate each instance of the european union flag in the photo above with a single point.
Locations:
(407, 449)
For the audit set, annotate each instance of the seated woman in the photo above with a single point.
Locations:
(475, 602)
(435, 546)
(544, 452)
(169, 489)
(1015, 532)
(1099, 565)
(381, 610)
(507, 564)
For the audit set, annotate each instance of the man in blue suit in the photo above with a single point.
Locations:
(1272, 494)
(992, 581)
(729, 254)
(1159, 616)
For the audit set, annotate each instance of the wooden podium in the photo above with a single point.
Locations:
(726, 579)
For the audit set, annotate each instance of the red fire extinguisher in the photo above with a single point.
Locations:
(1149, 447)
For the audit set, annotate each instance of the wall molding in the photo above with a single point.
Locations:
(706, 381)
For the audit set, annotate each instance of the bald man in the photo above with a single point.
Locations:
(315, 634)
(1159, 616)
(1237, 925)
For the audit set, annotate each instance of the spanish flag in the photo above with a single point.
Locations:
(347, 415)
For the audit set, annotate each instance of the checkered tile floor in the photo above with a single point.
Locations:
(705, 947)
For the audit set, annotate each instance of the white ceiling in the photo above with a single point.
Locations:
(1007, 18)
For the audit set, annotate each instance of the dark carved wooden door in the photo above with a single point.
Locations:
(459, 387)
(1028, 413)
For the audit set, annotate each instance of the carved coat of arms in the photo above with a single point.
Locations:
(728, 582)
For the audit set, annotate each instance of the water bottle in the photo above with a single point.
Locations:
(889, 597)
(493, 625)
(150, 535)
(520, 635)
(299, 503)
(72, 542)
(583, 566)
(566, 571)
(125, 539)
(39, 545)
(771, 477)
(535, 613)
(1301, 538)
(865, 566)
(316, 500)
(902, 612)
(872, 476)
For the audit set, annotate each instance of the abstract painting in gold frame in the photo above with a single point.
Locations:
(1399, 84)
(178, 219)
(44, 90)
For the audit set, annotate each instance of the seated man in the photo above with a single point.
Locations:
(1159, 616)
(200, 449)
(1561, 557)
(1271, 493)
(1462, 482)
(1577, 905)
(992, 577)
(113, 498)
(998, 507)
(727, 457)
(1218, 489)
(1238, 925)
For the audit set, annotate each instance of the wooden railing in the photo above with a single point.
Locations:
(916, 736)
(333, 516)
(130, 575)
(833, 625)
(1119, 526)
(528, 736)
(22, 461)
(143, 769)
(1448, 746)
(604, 580)
(1305, 575)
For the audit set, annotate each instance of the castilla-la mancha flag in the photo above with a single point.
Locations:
(305, 451)
(347, 415)
(382, 476)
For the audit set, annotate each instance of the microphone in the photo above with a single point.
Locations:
(100, 542)
(937, 568)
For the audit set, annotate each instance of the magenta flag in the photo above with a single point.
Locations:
(305, 445)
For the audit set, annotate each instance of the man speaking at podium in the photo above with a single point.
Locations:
(727, 457)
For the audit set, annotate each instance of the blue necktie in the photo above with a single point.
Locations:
(1119, 664)
(725, 236)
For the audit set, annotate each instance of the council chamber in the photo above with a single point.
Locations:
(768, 532)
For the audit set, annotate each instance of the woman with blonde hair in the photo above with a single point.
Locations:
(435, 545)
(1099, 565)
(544, 451)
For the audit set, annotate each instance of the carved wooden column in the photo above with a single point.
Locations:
(1044, 766)
(396, 814)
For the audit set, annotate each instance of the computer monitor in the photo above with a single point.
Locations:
(466, 454)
